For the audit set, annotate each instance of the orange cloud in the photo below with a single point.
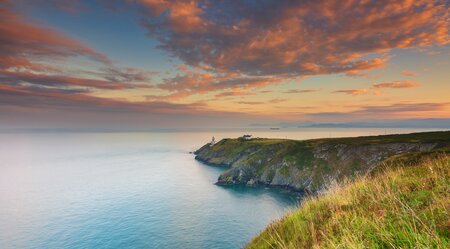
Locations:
(353, 92)
(193, 82)
(23, 43)
(250, 102)
(408, 73)
(396, 84)
(302, 91)
(296, 37)
(277, 100)
(182, 16)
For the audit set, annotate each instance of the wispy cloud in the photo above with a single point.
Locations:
(408, 73)
(191, 82)
(23, 43)
(394, 111)
(396, 84)
(301, 91)
(232, 94)
(277, 100)
(353, 92)
(74, 99)
(29, 53)
(250, 102)
(399, 84)
(57, 80)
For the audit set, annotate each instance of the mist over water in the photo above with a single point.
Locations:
(132, 190)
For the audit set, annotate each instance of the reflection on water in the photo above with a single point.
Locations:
(129, 190)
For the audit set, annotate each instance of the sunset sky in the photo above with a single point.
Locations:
(172, 64)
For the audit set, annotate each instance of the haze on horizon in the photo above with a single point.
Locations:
(172, 64)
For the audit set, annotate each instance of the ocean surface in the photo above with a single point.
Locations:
(132, 190)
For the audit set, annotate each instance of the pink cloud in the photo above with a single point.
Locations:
(408, 73)
(26, 50)
(23, 43)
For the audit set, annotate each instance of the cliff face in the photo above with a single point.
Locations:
(310, 165)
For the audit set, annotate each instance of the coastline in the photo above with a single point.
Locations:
(309, 166)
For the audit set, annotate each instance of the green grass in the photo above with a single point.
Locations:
(404, 205)
(418, 137)
(300, 152)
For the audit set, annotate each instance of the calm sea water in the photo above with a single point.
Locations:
(130, 190)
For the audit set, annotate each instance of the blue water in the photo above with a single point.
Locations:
(129, 190)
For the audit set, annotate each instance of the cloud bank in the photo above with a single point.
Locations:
(293, 38)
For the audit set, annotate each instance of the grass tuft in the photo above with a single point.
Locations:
(401, 206)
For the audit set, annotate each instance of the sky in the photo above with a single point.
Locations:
(138, 64)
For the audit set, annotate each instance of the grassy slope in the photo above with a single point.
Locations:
(401, 207)
(299, 154)
(232, 147)
(422, 137)
(436, 136)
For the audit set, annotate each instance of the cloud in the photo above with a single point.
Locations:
(406, 107)
(408, 73)
(396, 84)
(22, 43)
(376, 87)
(190, 82)
(34, 107)
(232, 94)
(394, 111)
(250, 102)
(35, 97)
(272, 101)
(293, 38)
(302, 91)
(16, 77)
(277, 100)
(30, 54)
(353, 92)
(116, 74)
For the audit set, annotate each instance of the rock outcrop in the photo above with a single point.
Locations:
(310, 165)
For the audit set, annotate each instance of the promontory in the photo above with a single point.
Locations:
(312, 165)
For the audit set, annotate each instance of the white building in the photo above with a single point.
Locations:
(247, 137)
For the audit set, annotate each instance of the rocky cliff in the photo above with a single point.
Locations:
(311, 165)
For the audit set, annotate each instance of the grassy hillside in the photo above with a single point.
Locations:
(418, 137)
(405, 205)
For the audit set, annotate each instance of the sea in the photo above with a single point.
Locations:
(134, 190)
